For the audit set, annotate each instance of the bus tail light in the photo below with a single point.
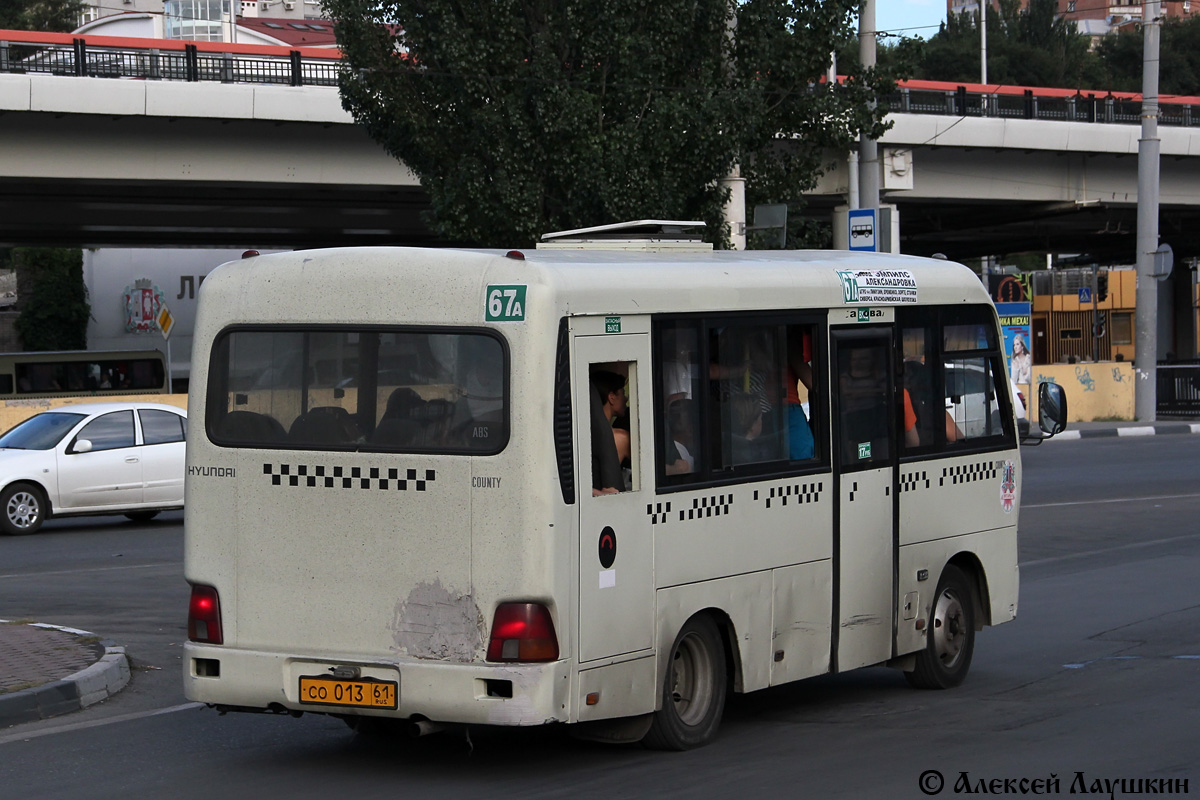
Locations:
(522, 632)
(204, 616)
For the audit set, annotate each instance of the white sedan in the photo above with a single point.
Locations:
(92, 458)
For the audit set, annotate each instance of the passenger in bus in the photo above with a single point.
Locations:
(616, 410)
(801, 444)
(749, 446)
(607, 401)
(682, 437)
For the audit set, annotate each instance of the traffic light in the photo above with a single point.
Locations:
(1102, 286)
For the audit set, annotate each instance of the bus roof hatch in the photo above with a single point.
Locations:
(643, 234)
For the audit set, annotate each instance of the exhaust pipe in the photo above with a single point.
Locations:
(423, 727)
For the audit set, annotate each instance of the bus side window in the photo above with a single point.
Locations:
(678, 419)
(748, 387)
(612, 443)
(921, 408)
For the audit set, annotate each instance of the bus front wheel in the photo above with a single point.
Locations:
(693, 692)
(950, 640)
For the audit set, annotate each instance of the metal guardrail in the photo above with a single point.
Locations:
(1029, 104)
(108, 57)
(185, 62)
(1178, 390)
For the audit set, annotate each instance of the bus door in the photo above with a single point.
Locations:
(864, 455)
(616, 551)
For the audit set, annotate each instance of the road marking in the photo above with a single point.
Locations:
(89, 569)
(1110, 500)
(1103, 551)
(79, 726)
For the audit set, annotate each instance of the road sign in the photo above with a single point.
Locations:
(1164, 261)
(862, 229)
(165, 321)
(1085, 294)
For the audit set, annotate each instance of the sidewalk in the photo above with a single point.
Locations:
(1091, 430)
(47, 670)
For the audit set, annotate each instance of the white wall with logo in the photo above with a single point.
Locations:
(126, 284)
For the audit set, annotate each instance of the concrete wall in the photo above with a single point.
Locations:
(15, 411)
(1098, 390)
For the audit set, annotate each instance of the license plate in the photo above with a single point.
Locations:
(337, 692)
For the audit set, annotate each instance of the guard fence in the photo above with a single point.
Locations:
(168, 60)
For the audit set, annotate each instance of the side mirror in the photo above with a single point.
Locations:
(82, 446)
(1052, 408)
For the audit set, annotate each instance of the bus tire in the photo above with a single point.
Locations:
(24, 509)
(950, 642)
(141, 516)
(693, 691)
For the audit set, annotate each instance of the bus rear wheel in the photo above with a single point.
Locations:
(693, 692)
(950, 640)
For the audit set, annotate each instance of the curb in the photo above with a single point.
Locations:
(1129, 430)
(97, 682)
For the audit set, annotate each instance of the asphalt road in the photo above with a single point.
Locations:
(1097, 676)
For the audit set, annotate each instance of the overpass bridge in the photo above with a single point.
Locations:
(108, 141)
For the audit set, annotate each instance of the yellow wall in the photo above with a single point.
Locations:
(1122, 294)
(15, 411)
(1095, 390)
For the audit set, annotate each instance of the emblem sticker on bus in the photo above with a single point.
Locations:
(505, 303)
(1008, 486)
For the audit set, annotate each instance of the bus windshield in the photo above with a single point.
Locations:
(404, 390)
(41, 432)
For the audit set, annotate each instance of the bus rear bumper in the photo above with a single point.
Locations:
(476, 694)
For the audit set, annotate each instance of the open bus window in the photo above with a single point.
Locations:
(613, 407)
(383, 390)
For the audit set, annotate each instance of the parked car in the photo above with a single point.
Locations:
(92, 458)
(970, 400)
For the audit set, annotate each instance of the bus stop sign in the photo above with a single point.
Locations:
(862, 229)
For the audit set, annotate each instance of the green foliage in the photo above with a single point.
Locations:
(524, 117)
(41, 15)
(1179, 58)
(55, 314)
(1026, 47)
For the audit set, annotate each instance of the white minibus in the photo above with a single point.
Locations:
(601, 482)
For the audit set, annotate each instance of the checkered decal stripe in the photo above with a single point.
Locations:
(349, 477)
(703, 507)
(970, 473)
(910, 482)
(658, 512)
(796, 493)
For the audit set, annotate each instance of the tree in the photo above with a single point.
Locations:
(524, 117)
(1029, 46)
(53, 298)
(41, 15)
(1179, 58)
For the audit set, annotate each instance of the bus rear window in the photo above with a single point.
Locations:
(402, 390)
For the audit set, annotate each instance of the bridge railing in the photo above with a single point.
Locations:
(1023, 102)
(173, 59)
(26, 52)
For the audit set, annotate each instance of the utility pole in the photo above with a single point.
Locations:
(1145, 398)
(983, 4)
(868, 166)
